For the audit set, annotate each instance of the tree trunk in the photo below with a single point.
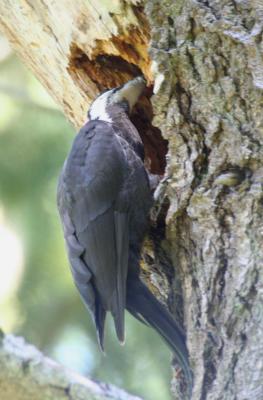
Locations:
(209, 106)
(207, 62)
(77, 48)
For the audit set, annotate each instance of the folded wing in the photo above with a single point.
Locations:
(95, 214)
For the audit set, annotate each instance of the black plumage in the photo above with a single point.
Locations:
(104, 200)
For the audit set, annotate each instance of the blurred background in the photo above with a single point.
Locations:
(38, 299)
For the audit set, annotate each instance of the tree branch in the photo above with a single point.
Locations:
(26, 374)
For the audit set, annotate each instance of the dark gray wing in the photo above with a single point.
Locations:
(94, 211)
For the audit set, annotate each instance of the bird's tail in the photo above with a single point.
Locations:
(144, 306)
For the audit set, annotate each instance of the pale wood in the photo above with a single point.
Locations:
(46, 33)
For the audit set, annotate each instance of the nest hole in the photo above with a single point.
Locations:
(155, 146)
(109, 71)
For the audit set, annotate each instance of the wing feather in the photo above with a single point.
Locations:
(95, 218)
(122, 249)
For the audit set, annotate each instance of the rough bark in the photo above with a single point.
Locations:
(209, 65)
(208, 74)
(26, 374)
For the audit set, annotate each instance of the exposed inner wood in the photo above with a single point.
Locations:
(110, 70)
(155, 146)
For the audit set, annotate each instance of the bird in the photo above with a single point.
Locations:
(104, 199)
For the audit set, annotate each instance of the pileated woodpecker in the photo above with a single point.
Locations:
(104, 200)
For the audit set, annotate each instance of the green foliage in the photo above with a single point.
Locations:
(34, 141)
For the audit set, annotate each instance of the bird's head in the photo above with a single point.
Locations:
(123, 97)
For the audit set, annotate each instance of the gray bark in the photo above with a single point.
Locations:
(26, 374)
(209, 69)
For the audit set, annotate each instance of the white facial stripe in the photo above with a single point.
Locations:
(98, 108)
(131, 91)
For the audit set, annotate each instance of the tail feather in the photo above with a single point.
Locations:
(100, 317)
(141, 302)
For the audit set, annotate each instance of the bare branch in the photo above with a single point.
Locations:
(26, 374)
